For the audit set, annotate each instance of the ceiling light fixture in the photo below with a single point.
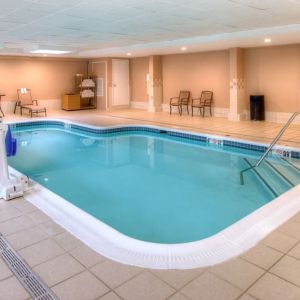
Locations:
(129, 54)
(183, 48)
(267, 40)
(49, 51)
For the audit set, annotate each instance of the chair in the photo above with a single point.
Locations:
(201, 103)
(26, 102)
(182, 100)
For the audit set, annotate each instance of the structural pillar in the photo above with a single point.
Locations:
(237, 85)
(155, 84)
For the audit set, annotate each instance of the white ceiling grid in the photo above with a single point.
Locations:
(104, 27)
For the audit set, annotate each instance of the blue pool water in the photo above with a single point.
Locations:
(144, 185)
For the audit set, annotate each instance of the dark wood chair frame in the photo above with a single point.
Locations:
(182, 100)
(203, 102)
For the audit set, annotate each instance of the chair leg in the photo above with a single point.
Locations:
(170, 109)
(192, 108)
(21, 110)
(31, 113)
(210, 111)
(180, 109)
(203, 112)
(45, 113)
(187, 109)
(15, 107)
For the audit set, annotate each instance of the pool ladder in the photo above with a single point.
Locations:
(265, 154)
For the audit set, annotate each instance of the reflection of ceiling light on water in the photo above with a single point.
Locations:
(87, 142)
(46, 179)
(24, 143)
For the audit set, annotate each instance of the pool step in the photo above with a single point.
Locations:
(276, 174)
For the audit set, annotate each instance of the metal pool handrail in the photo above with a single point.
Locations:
(265, 154)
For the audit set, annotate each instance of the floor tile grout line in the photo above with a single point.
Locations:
(177, 290)
(32, 274)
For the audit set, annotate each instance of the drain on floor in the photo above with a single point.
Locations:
(31, 282)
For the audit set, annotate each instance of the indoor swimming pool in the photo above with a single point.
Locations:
(149, 185)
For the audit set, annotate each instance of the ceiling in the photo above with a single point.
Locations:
(92, 28)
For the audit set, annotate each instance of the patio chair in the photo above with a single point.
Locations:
(205, 101)
(182, 100)
(26, 102)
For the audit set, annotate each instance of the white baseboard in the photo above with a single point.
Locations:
(8, 106)
(139, 105)
(275, 117)
(218, 112)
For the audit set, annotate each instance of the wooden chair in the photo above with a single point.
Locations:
(182, 100)
(25, 101)
(205, 101)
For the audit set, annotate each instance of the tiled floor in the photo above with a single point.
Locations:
(269, 271)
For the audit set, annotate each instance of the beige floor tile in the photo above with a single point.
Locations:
(51, 228)
(82, 286)
(288, 268)
(9, 213)
(23, 206)
(145, 286)
(41, 252)
(291, 229)
(26, 237)
(110, 296)
(270, 287)
(280, 241)
(15, 225)
(262, 256)
(38, 217)
(68, 241)
(58, 269)
(178, 296)
(238, 272)
(11, 289)
(178, 278)
(296, 218)
(4, 270)
(114, 274)
(210, 287)
(247, 297)
(5, 204)
(87, 256)
(295, 252)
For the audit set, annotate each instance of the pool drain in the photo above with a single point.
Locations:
(31, 282)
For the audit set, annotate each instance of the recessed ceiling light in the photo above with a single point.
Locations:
(267, 40)
(128, 54)
(48, 51)
(183, 48)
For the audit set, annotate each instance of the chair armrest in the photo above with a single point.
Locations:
(198, 102)
(184, 100)
(36, 102)
(172, 98)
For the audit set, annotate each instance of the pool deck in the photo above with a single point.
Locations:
(269, 271)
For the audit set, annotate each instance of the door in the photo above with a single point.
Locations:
(120, 82)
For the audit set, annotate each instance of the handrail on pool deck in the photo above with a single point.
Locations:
(265, 154)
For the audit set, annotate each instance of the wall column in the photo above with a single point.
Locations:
(237, 85)
(155, 84)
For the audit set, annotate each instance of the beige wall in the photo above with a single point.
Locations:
(274, 72)
(48, 79)
(197, 72)
(139, 68)
(99, 69)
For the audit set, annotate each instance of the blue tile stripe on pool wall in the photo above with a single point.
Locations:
(183, 135)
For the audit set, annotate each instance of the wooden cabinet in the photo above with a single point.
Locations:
(71, 102)
(85, 96)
